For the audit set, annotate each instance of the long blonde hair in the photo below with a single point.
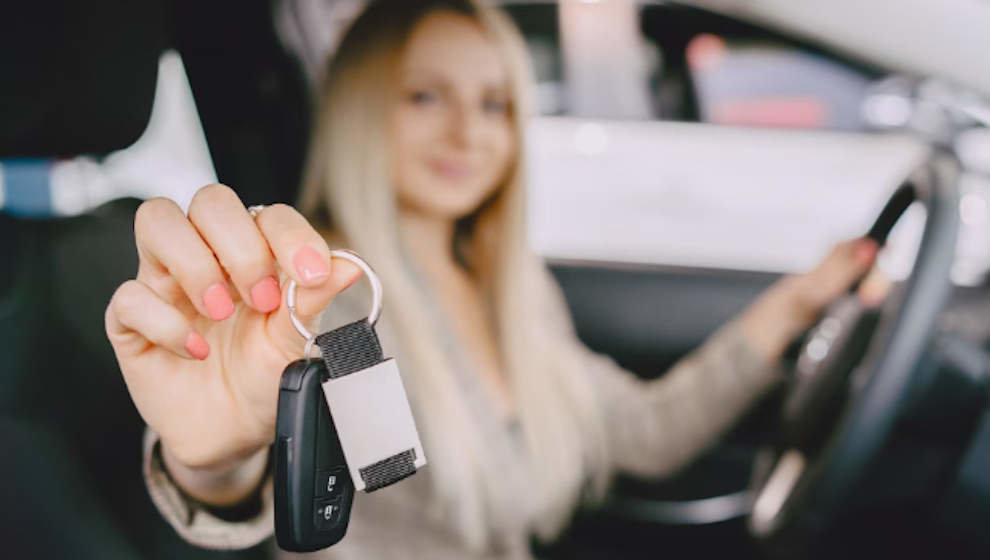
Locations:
(348, 186)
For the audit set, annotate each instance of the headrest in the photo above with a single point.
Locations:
(77, 77)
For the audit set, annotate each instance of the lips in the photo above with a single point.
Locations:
(452, 170)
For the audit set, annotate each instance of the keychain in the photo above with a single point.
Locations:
(344, 424)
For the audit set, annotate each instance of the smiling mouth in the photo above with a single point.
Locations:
(452, 171)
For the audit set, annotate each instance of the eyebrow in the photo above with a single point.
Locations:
(501, 84)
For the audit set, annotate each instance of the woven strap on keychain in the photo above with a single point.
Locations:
(349, 349)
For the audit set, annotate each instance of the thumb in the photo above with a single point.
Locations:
(310, 303)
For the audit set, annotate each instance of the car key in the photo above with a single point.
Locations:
(313, 491)
(343, 424)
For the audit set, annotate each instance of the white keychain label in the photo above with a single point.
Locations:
(375, 425)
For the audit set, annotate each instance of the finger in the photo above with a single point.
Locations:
(137, 317)
(874, 288)
(169, 245)
(847, 264)
(310, 303)
(223, 222)
(303, 255)
(300, 250)
(844, 266)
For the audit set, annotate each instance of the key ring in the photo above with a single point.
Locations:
(376, 297)
(290, 297)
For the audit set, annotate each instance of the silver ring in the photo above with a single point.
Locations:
(376, 296)
(256, 209)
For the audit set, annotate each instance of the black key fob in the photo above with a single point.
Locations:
(313, 490)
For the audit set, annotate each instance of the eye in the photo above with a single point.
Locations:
(495, 106)
(423, 97)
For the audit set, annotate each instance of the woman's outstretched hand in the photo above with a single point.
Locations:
(794, 303)
(202, 334)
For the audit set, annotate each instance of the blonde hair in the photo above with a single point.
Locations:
(348, 186)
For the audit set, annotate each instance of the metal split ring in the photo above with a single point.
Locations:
(376, 297)
(376, 292)
(351, 256)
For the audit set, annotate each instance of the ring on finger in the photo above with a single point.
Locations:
(256, 209)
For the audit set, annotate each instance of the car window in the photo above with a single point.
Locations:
(691, 65)
(768, 164)
(754, 82)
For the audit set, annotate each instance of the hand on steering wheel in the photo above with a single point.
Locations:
(853, 374)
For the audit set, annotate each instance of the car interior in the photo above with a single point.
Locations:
(898, 467)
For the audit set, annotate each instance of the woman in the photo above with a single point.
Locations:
(416, 165)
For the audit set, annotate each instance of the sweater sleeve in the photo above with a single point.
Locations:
(193, 522)
(656, 427)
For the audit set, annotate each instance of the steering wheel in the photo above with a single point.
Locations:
(854, 376)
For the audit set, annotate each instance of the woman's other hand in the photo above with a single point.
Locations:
(202, 336)
(794, 303)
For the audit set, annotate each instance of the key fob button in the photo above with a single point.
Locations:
(327, 514)
(330, 484)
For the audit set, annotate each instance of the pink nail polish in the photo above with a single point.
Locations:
(265, 295)
(866, 251)
(217, 301)
(197, 346)
(310, 265)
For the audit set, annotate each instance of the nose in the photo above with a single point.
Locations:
(466, 126)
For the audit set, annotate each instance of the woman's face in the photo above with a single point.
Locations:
(451, 134)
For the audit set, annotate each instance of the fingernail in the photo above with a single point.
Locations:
(265, 295)
(310, 265)
(217, 301)
(197, 346)
(866, 251)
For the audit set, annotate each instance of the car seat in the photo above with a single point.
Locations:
(78, 78)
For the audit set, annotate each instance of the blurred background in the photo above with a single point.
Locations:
(683, 156)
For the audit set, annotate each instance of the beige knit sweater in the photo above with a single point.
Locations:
(654, 427)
